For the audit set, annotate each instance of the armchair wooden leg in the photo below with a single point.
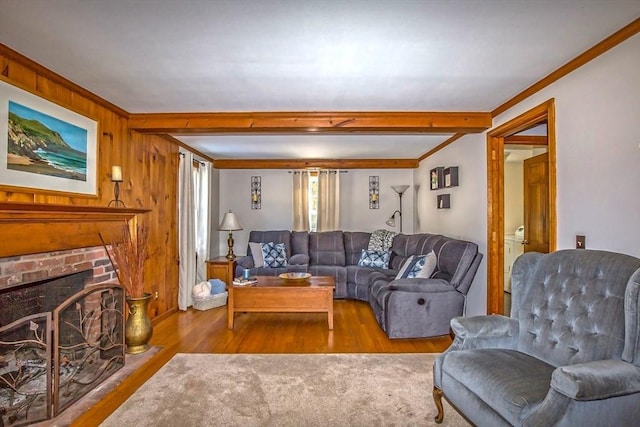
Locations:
(437, 398)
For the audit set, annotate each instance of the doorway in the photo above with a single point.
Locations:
(526, 189)
(543, 196)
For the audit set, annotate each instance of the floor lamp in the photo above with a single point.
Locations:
(391, 222)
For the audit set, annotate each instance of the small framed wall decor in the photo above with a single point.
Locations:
(450, 177)
(444, 201)
(374, 192)
(435, 178)
(256, 192)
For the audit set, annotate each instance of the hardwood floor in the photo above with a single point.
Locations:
(356, 331)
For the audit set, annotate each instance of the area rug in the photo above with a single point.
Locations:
(286, 390)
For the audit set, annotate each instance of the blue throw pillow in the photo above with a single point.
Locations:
(217, 286)
(274, 254)
(379, 259)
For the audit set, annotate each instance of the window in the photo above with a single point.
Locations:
(316, 200)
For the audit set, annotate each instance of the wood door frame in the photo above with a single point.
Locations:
(495, 194)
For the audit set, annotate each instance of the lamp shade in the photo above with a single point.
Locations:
(391, 222)
(229, 222)
(116, 174)
(400, 188)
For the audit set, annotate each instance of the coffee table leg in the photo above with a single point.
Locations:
(330, 308)
(230, 311)
(230, 316)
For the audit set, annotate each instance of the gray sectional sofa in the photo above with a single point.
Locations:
(404, 308)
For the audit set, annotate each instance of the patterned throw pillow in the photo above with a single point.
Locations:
(418, 266)
(375, 259)
(274, 255)
(381, 240)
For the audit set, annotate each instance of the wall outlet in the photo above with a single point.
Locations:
(581, 242)
(156, 294)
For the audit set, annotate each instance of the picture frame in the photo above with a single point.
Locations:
(256, 192)
(435, 178)
(44, 146)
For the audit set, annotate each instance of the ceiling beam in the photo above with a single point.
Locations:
(311, 122)
(315, 163)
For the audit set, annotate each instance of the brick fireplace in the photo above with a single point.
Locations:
(61, 308)
(34, 267)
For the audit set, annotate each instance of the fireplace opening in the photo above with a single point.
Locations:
(59, 339)
(41, 296)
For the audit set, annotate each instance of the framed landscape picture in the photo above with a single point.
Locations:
(44, 146)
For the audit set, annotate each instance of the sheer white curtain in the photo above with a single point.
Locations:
(328, 200)
(202, 219)
(301, 201)
(186, 232)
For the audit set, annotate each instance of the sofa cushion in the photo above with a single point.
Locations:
(354, 243)
(376, 259)
(510, 382)
(359, 279)
(277, 236)
(405, 245)
(326, 248)
(361, 275)
(338, 272)
(455, 258)
(299, 243)
(274, 254)
(299, 259)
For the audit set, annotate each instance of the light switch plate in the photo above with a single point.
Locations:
(581, 242)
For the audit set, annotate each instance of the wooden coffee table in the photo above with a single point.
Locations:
(275, 295)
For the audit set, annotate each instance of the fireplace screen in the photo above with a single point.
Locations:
(50, 360)
(25, 370)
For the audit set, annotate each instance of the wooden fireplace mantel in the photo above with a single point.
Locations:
(28, 228)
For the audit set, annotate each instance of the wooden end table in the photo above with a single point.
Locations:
(271, 294)
(221, 268)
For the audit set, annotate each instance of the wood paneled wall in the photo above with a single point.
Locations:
(149, 167)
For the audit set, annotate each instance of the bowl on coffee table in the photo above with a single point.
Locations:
(295, 276)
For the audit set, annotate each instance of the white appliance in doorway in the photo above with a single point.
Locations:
(513, 248)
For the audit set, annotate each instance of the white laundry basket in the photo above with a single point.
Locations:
(210, 301)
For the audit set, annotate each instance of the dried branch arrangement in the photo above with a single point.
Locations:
(127, 257)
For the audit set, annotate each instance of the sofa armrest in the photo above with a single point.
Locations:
(245, 261)
(595, 380)
(421, 285)
(493, 331)
(299, 259)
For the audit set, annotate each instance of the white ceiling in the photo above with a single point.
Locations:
(294, 55)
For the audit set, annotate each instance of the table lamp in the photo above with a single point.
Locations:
(230, 223)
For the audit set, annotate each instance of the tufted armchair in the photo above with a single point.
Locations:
(569, 355)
